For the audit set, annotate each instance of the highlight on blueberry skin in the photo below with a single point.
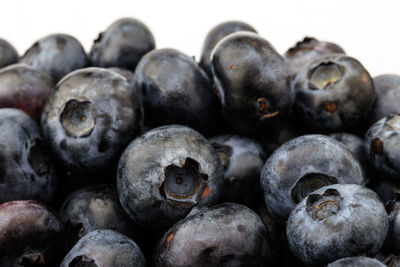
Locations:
(122, 44)
(90, 118)
(333, 93)
(225, 235)
(57, 55)
(26, 169)
(303, 165)
(166, 172)
(8, 54)
(357, 262)
(337, 221)
(104, 248)
(215, 35)
(252, 83)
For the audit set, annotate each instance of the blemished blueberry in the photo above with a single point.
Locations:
(25, 88)
(333, 93)
(8, 54)
(89, 119)
(104, 248)
(30, 234)
(337, 221)
(57, 55)
(165, 172)
(252, 83)
(242, 159)
(306, 51)
(225, 235)
(387, 88)
(26, 169)
(357, 262)
(382, 145)
(303, 165)
(122, 45)
(215, 35)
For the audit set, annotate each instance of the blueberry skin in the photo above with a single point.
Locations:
(8, 54)
(253, 83)
(392, 243)
(225, 235)
(302, 165)
(242, 159)
(352, 142)
(337, 221)
(122, 45)
(90, 118)
(357, 262)
(333, 93)
(26, 169)
(25, 88)
(104, 248)
(382, 147)
(387, 88)
(30, 234)
(57, 55)
(146, 166)
(215, 35)
(307, 51)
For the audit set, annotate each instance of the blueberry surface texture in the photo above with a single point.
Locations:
(337, 221)
(225, 235)
(122, 44)
(357, 262)
(166, 172)
(8, 54)
(90, 118)
(303, 165)
(252, 82)
(57, 55)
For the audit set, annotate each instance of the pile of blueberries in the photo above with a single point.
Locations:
(134, 156)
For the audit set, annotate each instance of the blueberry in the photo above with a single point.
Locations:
(30, 234)
(26, 170)
(224, 235)
(122, 45)
(25, 88)
(356, 262)
(333, 93)
(175, 91)
(337, 221)
(104, 248)
(8, 54)
(164, 173)
(303, 165)
(308, 50)
(253, 83)
(57, 55)
(392, 243)
(90, 118)
(215, 35)
(382, 146)
(243, 159)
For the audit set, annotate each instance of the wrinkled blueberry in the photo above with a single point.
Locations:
(90, 118)
(242, 159)
(303, 165)
(122, 45)
(8, 54)
(26, 169)
(215, 35)
(225, 235)
(164, 173)
(333, 93)
(57, 55)
(104, 248)
(30, 234)
(392, 243)
(25, 88)
(253, 83)
(357, 262)
(337, 221)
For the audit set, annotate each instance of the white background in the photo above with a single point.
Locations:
(367, 30)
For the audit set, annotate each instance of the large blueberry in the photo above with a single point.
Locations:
(8, 54)
(166, 172)
(90, 118)
(303, 165)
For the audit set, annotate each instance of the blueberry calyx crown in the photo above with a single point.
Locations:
(320, 207)
(78, 118)
(309, 183)
(325, 74)
(263, 106)
(32, 259)
(82, 261)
